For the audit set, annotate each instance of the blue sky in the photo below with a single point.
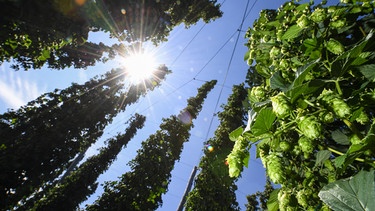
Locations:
(192, 64)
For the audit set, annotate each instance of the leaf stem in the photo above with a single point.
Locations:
(338, 87)
(353, 128)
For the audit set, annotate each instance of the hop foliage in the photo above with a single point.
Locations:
(317, 68)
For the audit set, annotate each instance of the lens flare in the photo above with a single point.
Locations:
(185, 117)
(210, 148)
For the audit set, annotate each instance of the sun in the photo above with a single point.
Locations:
(139, 67)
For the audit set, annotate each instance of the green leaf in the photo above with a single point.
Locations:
(296, 91)
(263, 122)
(340, 138)
(368, 71)
(302, 72)
(246, 160)
(233, 136)
(277, 82)
(322, 156)
(339, 161)
(310, 43)
(355, 193)
(273, 202)
(251, 117)
(247, 55)
(293, 32)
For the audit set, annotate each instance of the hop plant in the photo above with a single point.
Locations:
(326, 117)
(335, 103)
(362, 118)
(318, 15)
(338, 24)
(280, 105)
(335, 46)
(284, 197)
(275, 52)
(307, 145)
(285, 146)
(310, 127)
(303, 21)
(303, 197)
(257, 93)
(275, 169)
(354, 139)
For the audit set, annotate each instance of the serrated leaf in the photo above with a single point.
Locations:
(340, 138)
(310, 43)
(233, 136)
(302, 72)
(293, 32)
(277, 82)
(322, 156)
(355, 193)
(273, 202)
(263, 122)
(368, 71)
(305, 89)
(339, 161)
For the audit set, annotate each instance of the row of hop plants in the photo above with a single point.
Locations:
(311, 118)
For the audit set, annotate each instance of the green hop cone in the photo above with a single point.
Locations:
(307, 145)
(318, 15)
(335, 103)
(280, 105)
(338, 24)
(335, 46)
(303, 21)
(354, 139)
(310, 127)
(284, 198)
(326, 117)
(234, 165)
(275, 169)
(303, 197)
(257, 93)
(275, 52)
(362, 118)
(285, 146)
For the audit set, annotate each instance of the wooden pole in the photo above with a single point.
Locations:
(187, 190)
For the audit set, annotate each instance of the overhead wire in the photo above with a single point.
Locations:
(228, 68)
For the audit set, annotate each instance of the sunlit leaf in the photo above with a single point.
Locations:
(251, 117)
(273, 202)
(233, 136)
(293, 32)
(263, 122)
(355, 193)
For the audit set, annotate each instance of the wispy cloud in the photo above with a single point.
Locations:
(15, 90)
